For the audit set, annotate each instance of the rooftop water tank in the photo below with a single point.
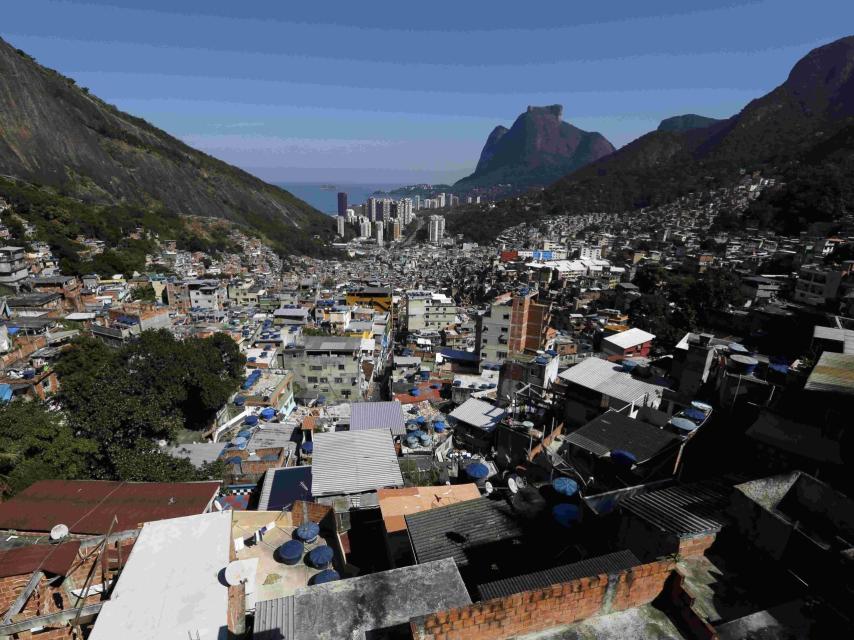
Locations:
(683, 424)
(565, 486)
(439, 426)
(694, 414)
(239, 401)
(268, 413)
(743, 364)
(566, 515)
(308, 532)
(320, 557)
(290, 552)
(250, 421)
(329, 575)
(623, 457)
(477, 471)
(307, 447)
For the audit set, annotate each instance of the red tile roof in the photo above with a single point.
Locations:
(88, 506)
(55, 559)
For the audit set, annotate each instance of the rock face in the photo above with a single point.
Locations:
(814, 104)
(537, 150)
(57, 134)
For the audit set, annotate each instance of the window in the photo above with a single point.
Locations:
(339, 380)
(506, 316)
(345, 393)
(501, 355)
(312, 379)
(315, 367)
(505, 329)
(340, 367)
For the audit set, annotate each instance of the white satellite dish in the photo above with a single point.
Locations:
(236, 573)
(488, 488)
(59, 532)
(511, 484)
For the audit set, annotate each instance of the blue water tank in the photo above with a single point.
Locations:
(245, 433)
(425, 375)
(268, 413)
(458, 383)
(421, 420)
(250, 421)
(415, 392)
(565, 486)
(234, 460)
(308, 532)
(290, 552)
(694, 414)
(626, 458)
(683, 424)
(239, 401)
(439, 426)
(329, 575)
(239, 441)
(307, 447)
(477, 471)
(566, 514)
(320, 557)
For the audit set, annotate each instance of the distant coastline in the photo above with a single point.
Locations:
(323, 196)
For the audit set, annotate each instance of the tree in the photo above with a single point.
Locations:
(144, 293)
(37, 444)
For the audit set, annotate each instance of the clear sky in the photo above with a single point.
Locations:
(403, 91)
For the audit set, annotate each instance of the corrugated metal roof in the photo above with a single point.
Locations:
(629, 338)
(478, 413)
(608, 564)
(613, 430)
(845, 336)
(88, 506)
(834, 373)
(609, 379)
(683, 510)
(354, 462)
(50, 558)
(448, 532)
(377, 415)
(274, 619)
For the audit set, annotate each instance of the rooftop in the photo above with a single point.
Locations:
(629, 338)
(88, 506)
(613, 430)
(478, 414)
(50, 558)
(362, 607)
(354, 462)
(283, 487)
(395, 504)
(609, 379)
(834, 373)
(377, 415)
(170, 586)
(683, 510)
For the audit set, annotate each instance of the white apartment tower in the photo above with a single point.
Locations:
(436, 230)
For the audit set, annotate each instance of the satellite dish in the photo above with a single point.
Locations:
(511, 484)
(59, 532)
(488, 488)
(235, 573)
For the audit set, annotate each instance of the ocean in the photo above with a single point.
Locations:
(326, 200)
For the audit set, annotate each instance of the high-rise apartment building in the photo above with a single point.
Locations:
(341, 222)
(342, 203)
(436, 229)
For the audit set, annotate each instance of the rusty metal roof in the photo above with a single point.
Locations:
(88, 506)
(50, 558)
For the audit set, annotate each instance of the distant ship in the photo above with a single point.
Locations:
(328, 187)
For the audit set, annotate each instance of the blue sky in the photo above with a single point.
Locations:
(402, 92)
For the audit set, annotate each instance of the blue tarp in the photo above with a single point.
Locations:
(5, 393)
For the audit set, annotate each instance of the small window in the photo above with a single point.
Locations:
(312, 379)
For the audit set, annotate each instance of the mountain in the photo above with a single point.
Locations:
(815, 102)
(685, 122)
(537, 150)
(800, 131)
(55, 134)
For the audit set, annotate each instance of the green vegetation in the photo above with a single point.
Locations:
(113, 407)
(673, 304)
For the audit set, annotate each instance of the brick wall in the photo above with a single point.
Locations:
(695, 546)
(681, 604)
(309, 511)
(541, 609)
